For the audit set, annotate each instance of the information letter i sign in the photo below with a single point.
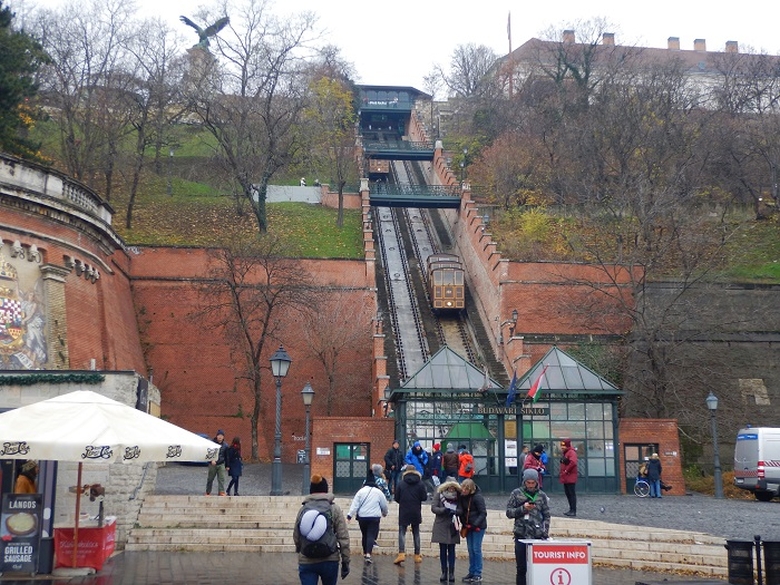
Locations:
(559, 562)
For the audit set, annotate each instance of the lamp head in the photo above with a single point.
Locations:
(280, 363)
(712, 401)
(308, 394)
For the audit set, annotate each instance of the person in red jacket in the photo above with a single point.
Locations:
(568, 475)
(465, 464)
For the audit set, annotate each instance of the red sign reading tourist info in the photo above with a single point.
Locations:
(559, 562)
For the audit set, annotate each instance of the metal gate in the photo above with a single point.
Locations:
(350, 467)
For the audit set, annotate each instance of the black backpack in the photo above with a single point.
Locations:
(316, 529)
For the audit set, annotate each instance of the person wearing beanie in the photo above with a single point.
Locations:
(318, 485)
(446, 526)
(450, 462)
(567, 475)
(410, 494)
(379, 480)
(217, 466)
(369, 506)
(529, 507)
(473, 516)
(311, 570)
(435, 464)
(534, 461)
(465, 464)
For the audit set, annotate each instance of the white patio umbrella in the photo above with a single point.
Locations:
(86, 427)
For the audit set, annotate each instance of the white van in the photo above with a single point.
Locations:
(757, 462)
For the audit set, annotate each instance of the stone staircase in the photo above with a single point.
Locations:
(265, 523)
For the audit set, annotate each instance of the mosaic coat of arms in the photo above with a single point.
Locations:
(22, 344)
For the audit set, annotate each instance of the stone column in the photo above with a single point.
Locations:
(56, 319)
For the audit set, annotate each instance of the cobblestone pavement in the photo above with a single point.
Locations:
(145, 568)
(730, 519)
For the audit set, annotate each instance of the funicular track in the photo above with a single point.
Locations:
(406, 237)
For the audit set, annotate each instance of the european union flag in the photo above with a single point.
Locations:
(510, 398)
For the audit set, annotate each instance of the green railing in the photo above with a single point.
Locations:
(416, 190)
(398, 145)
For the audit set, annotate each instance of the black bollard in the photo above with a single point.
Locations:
(772, 562)
(740, 562)
(757, 540)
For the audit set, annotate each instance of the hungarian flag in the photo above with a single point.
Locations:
(535, 390)
(510, 398)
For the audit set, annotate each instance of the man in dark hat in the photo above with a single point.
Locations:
(217, 466)
(312, 570)
(534, 461)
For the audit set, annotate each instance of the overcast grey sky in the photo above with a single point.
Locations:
(398, 42)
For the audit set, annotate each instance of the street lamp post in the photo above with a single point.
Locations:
(280, 364)
(712, 404)
(308, 395)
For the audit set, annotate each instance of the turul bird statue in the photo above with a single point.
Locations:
(205, 33)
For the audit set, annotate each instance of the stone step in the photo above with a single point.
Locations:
(264, 524)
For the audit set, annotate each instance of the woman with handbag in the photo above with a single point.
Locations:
(446, 526)
(474, 520)
(369, 506)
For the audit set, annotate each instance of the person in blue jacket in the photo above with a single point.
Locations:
(417, 457)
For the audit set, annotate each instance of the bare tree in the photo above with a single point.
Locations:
(334, 332)
(87, 85)
(253, 285)
(469, 68)
(157, 102)
(251, 92)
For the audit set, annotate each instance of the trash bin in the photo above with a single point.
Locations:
(740, 561)
(772, 562)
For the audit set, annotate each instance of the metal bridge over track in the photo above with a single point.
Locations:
(422, 196)
(398, 150)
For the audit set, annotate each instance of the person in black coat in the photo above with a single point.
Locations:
(234, 464)
(654, 470)
(410, 493)
(394, 461)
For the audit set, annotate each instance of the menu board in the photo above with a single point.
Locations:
(20, 530)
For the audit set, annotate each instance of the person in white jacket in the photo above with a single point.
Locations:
(369, 506)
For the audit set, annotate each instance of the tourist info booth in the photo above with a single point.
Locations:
(559, 562)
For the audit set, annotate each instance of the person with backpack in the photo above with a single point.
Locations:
(369, 506)
(321, 537)
(465, 464)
